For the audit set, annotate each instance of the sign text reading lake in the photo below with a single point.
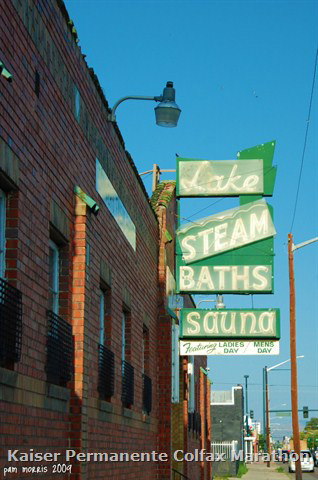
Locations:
(208, 178)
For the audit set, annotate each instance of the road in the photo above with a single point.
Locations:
(306, 475)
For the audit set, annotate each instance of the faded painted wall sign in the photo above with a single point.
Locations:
(232, 323)
(226, 231)
(201, 178)
(231, 347)
(114, 204)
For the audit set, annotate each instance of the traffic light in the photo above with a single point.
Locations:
(252, 414)
(305, 412)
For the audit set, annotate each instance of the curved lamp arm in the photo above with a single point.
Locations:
(167, 112)
(112, 116)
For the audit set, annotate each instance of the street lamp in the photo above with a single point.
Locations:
(293, 365)
(167, 111)
(218, 302)
(5, 73)
(266, 404)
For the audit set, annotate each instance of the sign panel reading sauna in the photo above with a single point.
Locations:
(232, 323)
(226, 231)
(229, 348)
(209, 178)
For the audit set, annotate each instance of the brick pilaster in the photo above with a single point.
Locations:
(79, 397)
(202, 413)
(208, 419)
(185, 409)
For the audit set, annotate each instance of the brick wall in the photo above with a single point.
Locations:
(174, 433)
(53, 147)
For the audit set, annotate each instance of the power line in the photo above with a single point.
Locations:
(305, 141)
(260, 384)
(202, 209)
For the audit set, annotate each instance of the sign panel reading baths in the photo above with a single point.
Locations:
(207, 178)
(225, 278)
(226, 231)
(231, 323)
(229, 348)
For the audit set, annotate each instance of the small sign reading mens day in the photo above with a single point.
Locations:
(229, 348)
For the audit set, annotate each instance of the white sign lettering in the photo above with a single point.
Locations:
(225, 278)
(226, 231)
(239, 323)
(219, 177)
(231, 347)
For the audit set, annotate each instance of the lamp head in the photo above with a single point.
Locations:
(5, 73)
(167, 111)
(219, 302)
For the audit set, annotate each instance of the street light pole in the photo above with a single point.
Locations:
(246, 408)
(293, 364)
(268, 443)
(266, 403)
(246, 400)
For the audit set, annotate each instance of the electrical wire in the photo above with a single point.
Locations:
(202, 209)
(305, 141)
(260, 384)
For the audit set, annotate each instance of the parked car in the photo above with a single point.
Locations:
(315, 455)
(306, 461)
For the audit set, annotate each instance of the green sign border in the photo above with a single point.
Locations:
(257, 253)
(217, 194)
(264, 151)
(276, 336)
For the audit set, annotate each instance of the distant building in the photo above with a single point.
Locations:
(227, 416)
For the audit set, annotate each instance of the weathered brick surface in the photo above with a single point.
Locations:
(173, 419)
(53, 149)
(55, 152)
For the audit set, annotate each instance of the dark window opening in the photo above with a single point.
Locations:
(10, 324)
(106, 372)
(146, 394)
(59, 361)
(106, 361)
(127, 396)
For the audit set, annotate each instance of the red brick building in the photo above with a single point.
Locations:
(85, 338)
(184, 409)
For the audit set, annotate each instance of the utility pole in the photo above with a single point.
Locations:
(293, 363)
(156, 172)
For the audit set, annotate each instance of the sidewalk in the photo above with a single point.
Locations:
(260, 471)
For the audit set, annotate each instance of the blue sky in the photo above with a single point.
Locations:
(243, 72)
